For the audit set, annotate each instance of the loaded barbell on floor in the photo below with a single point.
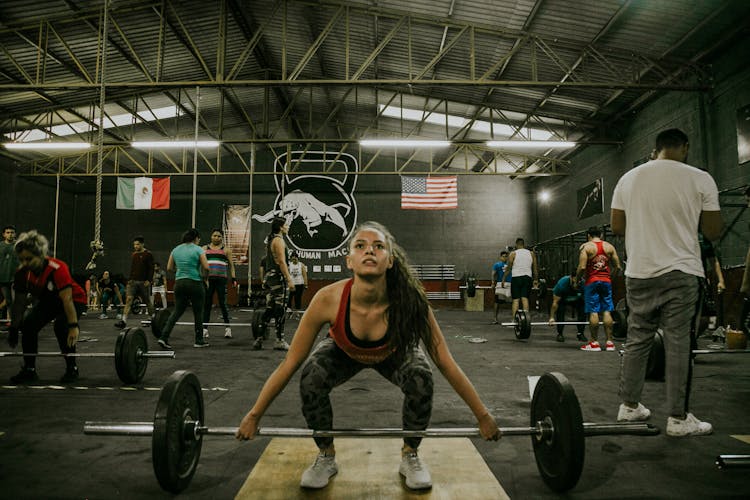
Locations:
(522, 325)
(557, 431)
(656, 366)
(131, 355)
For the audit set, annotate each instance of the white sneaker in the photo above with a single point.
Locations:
(227, 333)
(317, 475)
(689, 426)
(103, 316)
(415, 472)
(281, 345)
(205, 333)
(628, 414)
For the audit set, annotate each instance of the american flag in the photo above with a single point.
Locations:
(429, 193)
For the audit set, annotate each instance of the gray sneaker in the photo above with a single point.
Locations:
(281, 345)
(228, 332)
(415, 472)
(258, 344)
(317, 475)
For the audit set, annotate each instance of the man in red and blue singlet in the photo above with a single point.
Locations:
(596, 260)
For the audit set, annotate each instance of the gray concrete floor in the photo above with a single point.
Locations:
(43, 453)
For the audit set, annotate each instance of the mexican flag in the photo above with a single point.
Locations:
(143, 193)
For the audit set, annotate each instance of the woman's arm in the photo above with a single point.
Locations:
(461, 383)
(316, 315)
(66, 295)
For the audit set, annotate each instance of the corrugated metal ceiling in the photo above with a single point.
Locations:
(599, 48)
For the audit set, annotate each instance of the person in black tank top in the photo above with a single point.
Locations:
(277, 283)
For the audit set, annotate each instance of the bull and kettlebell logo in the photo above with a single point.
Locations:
(321, 211)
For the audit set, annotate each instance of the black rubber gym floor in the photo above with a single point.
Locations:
(44, 454)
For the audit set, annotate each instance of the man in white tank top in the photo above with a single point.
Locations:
(523, 270)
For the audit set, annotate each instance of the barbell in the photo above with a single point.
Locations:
(131, 355)
(733, 461)
(522, 324)
(557, 431)
(159, 320)
(656, 366)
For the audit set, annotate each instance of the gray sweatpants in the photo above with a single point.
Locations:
(666, 302)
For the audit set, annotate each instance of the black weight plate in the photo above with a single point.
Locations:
(522, 327)
(655, 367)
(559, 457)
(620, 328)
(129, 362)
(542, 292)
(159, 321)
(119, 354)
(258, 330)
(175, 453)
(622, 305)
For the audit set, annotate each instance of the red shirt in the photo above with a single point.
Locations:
(46, 286)
(338, 332)
(597, 268)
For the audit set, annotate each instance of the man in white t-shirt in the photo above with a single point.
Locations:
(523, 271)
(659, 207)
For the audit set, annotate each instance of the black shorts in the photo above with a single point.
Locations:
(520, 287)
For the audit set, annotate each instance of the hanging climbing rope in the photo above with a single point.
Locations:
(97, 245)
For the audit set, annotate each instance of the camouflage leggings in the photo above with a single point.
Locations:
(277, 295)
(328, 366)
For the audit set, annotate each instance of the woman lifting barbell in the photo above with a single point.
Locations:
(58, 297)
(377, 319)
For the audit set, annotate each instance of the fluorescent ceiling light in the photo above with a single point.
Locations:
(459, 122)
(46, 145)
(403, 143)
(175, 144)
(81, 127)
(521, 144)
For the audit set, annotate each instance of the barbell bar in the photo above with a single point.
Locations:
(733, 461)
(522, 325)
(557, 431)
(131, 355)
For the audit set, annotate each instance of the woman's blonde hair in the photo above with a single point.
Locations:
(33, 241)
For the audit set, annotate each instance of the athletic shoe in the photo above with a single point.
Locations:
(281, 345)
(205, 333)
(582, 337)
(201, 344)
(560, 337)
(25, 375)
(71, 375)
(258, 344)
(103, 316)
(689, 426)
(610, 345)
(416, 473)
(628, 414)
(164, 344)
(591, 346)
(227, 333)
(120, 324)
(317, 475)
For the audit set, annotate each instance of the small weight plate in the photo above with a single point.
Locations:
(159, 321)
(129, 363)
(522, 327)
(655, 367)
